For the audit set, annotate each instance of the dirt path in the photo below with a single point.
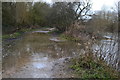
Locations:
(41, 67)
(36, 56)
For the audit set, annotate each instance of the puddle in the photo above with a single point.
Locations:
(56, 39)
(39, 65)
(40, 31)
(40, 62)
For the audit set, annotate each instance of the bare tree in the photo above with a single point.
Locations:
(82, 9)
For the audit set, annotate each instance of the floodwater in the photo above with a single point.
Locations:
(37, 56)
(108, 50)
(40, 55)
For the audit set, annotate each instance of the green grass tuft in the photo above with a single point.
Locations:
(87, 67)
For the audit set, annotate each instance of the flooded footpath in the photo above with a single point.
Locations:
(37, 55)
(41, 55)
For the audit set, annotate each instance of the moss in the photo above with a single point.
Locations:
(87, 67)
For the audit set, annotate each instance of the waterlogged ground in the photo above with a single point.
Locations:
(37, 56)
(41, 55)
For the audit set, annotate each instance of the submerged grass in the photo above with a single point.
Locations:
(87, 67)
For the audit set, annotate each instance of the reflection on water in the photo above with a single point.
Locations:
(108, 51)
(37, 51)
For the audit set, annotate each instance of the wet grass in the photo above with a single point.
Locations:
(16, 34)
(87, 67)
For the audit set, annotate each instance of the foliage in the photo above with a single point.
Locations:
(8, 16)
(39, 14)
(62, 15)
(87, 67)
(103, 21)
(23, 15)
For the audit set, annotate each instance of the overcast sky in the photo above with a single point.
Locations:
(97, 4)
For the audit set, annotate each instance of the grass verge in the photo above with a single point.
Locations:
(87, 67)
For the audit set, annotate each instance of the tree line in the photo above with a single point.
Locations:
(61, 15)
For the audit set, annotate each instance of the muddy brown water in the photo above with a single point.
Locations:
(36, 56)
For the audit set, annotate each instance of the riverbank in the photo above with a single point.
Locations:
(90, 66)
(66, 58)
(87, 67)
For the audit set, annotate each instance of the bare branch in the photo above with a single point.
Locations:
(82, 9)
